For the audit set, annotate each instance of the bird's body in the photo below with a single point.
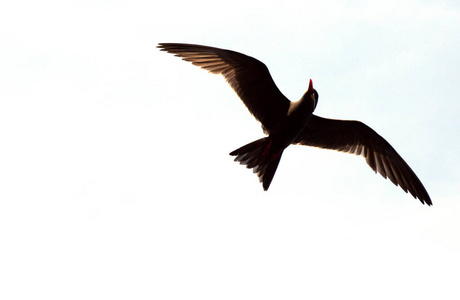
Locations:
(288, 122)
(264, 155)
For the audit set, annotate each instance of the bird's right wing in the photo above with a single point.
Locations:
(357, 138)
(249, 77)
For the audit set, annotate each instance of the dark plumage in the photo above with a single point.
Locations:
(288, 122)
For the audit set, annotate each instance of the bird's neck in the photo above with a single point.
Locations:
(302, 107)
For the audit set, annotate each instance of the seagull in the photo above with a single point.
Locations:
(285, 122)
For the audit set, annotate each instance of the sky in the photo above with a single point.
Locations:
(116, 181)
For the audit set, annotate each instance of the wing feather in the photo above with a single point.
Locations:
(248, 77)
(357, 138)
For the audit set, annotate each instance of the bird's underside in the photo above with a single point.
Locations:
(253, 83)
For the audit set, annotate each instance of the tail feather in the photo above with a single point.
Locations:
(259, 156)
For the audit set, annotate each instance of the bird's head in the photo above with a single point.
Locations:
(311, 96)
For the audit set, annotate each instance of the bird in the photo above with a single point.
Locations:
(288, 122)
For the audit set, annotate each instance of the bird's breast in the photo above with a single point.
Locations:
(293, 124)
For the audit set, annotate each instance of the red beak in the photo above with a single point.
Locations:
(310, 86)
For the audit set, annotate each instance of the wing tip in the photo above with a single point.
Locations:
(170, 46)
(425, 200)
(162, 46)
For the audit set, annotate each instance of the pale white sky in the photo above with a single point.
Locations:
(116, 181)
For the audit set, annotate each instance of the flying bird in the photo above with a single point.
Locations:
(287, 122)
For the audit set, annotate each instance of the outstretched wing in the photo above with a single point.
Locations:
(359, 139)
(249, 78)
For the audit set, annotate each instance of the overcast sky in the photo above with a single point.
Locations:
(115, 178)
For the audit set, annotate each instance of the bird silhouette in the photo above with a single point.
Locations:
(287, 122)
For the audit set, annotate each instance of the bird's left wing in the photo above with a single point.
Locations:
(357, 138)
(249, 77)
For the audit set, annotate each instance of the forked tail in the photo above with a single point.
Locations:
(261, 157)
